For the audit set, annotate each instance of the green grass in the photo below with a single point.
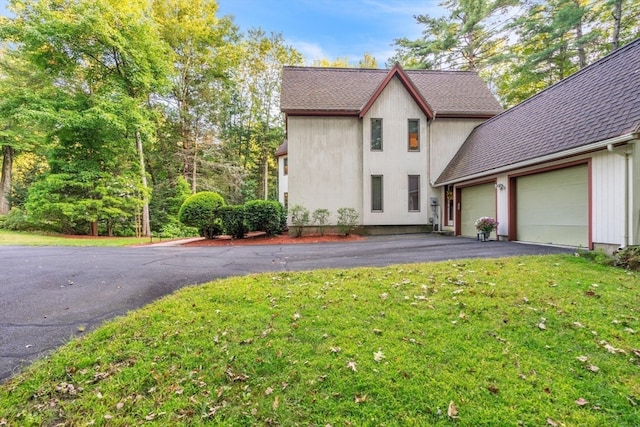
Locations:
(15, 238)
(522, 342)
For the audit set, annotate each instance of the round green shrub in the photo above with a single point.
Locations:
(264, 215)
(202, 211)
(233, 221)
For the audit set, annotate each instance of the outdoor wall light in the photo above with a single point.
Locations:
(500, 187)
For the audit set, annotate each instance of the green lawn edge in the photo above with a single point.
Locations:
(523, 341)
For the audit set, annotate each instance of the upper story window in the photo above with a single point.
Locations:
(285, 166)
(376, 134)
(414, 134)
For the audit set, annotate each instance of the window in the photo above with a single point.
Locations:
(286, 199)
(414, 134)
(376, 134)
(285, 163)
(414, 193)
(376, 193)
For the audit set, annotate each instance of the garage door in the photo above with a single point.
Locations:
(476, 202)
(553, 207)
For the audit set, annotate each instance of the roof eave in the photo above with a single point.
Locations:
(342, 113)
(600, 145)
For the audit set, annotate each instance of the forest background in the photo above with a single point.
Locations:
(112, 113)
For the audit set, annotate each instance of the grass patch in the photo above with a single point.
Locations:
(18, 238)
(526, 341)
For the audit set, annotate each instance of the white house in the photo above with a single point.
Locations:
(375, 140)
(563, 167)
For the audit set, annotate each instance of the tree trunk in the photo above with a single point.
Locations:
(194, 167)
(146, 228)
(617, 23)
(5, 179)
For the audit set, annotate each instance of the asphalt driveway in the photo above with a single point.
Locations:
(51, 294)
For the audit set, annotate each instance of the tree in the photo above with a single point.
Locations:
(203, 51)
(105, 60)
(18, 131)
(254, 126)
(468, 38)
(367, 61)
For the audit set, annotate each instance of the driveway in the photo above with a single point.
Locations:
(50, 294)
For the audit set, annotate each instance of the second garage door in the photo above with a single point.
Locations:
(553, 207)
(476, 202)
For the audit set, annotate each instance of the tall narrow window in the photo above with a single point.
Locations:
(414, 134)
(376, 193)
(376, 134)
(414, 193)
(285, 164)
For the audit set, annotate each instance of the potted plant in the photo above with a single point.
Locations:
(485, 225)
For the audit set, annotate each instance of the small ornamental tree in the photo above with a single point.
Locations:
(321, 218)
(347, 220)
(202, 210)
(299, 219)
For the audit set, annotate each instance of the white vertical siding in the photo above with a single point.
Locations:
(395, 162)
(634, 194)
(325, 167)
(446, 138)
(607, 199)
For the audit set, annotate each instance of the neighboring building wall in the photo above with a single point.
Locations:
(283, 179)
(325, 166)
(395, 162)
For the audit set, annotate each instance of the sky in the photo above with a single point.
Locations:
(330, 29)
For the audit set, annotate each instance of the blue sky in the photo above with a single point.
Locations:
(331, 28)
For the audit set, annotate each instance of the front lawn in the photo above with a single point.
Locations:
(19, 238)
(526, 341)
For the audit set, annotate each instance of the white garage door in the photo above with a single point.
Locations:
(553, 207)
(476, 202)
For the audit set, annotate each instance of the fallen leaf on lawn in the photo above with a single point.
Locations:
(352, 365)
(578, 325)
(108, 417)
(542, 326)
(636, 352)
(581, 402)
(276, 402)
(268, 391)
(452, 411)
(335, 349)
(582, 358)
(361, 399)
(296, 316)
(552, 423)
(378, 356)
(119, 405)
(593, 368)
(377, 331)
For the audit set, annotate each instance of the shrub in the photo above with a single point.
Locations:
(628, 257)
(264, 215)
(299, 219)
(17, 220)
(202, 211)
(347, 220)
(233, 221)
(321, 217)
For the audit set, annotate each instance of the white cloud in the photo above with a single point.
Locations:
(310, 51)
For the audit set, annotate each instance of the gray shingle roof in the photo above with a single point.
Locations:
(347, 90)
(597, 103)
